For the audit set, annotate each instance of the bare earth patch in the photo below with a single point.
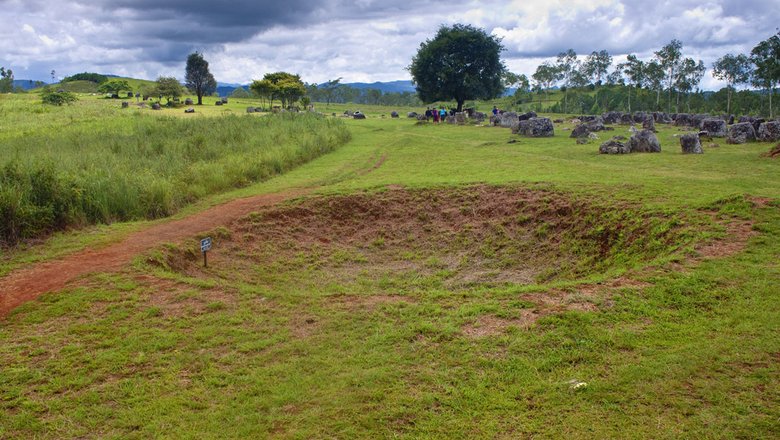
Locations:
(29, 283)
(738, 234)
(489, 325)
(367, 302)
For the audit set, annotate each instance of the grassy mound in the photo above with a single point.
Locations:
(78, 86)
(448, 237)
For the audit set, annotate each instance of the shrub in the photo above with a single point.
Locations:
(58, 98)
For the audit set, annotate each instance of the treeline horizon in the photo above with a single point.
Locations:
(668, 81)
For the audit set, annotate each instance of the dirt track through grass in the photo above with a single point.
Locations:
(27, 284)
(321, 345)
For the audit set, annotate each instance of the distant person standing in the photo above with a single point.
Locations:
(435, 115)
(443, 114)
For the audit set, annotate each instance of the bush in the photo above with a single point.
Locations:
(58, 98)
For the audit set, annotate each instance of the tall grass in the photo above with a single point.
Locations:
(145, 167)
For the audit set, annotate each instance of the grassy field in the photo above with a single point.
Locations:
(135, 164)
(441, 283)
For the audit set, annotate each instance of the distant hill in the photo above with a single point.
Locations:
(81, 86)
(225, 89)
(385, 87)
(27, 84)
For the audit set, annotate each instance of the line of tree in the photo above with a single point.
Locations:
(86, 76)
(334, 91)
(286, 87)
(668, 72)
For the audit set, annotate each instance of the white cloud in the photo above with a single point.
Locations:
(356, 40)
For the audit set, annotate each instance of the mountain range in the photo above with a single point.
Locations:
(224, 89)
(27, 84)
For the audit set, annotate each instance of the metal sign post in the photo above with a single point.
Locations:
(205, 246)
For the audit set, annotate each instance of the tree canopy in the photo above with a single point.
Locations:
(6, 80)
(168, 87)
(114, 86)
(766, 57)
(669, 57)
(284, 86)
(197, 77)
(461, 62)
(734, 69)
(86, 76)
(596, 65)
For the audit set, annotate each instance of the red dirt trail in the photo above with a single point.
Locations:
(26, 284)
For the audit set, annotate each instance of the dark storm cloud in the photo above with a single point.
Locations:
(205, 23)
(206, 14)
(359, 40)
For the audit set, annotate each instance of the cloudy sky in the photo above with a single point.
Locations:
(358, 40)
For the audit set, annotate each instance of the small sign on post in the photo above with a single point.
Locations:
(205, 246)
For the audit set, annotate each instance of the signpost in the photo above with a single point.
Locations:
(205, 246)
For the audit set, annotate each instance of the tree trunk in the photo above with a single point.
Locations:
(200, 97)
(629, 99)
(669, 100)
(728, 101)
(677, 104)
(460, 105)
(771, 92)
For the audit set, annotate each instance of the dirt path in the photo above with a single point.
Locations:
(27, 284)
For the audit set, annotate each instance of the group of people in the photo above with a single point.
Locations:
(438, 115)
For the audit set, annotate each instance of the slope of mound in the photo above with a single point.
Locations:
(78, 86)
(450, 237)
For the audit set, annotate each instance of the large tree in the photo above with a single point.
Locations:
(461, 62)
(766, 58)
(329, 88)
(264, 89)
(545, 76)
(287, 87)
(198, 78)
(569, 70)
(734, 69)
(168, 87)
(634, 69)
(114, 86)
(670, 57)
(654, 79)
(6, 80)
(688, 77)
(596, 66)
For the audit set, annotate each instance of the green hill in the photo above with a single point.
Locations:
(82, 86)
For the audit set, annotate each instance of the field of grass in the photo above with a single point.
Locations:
(441, 283)
(139, 165)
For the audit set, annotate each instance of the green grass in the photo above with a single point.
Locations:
(136, 165)
(369, 338)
